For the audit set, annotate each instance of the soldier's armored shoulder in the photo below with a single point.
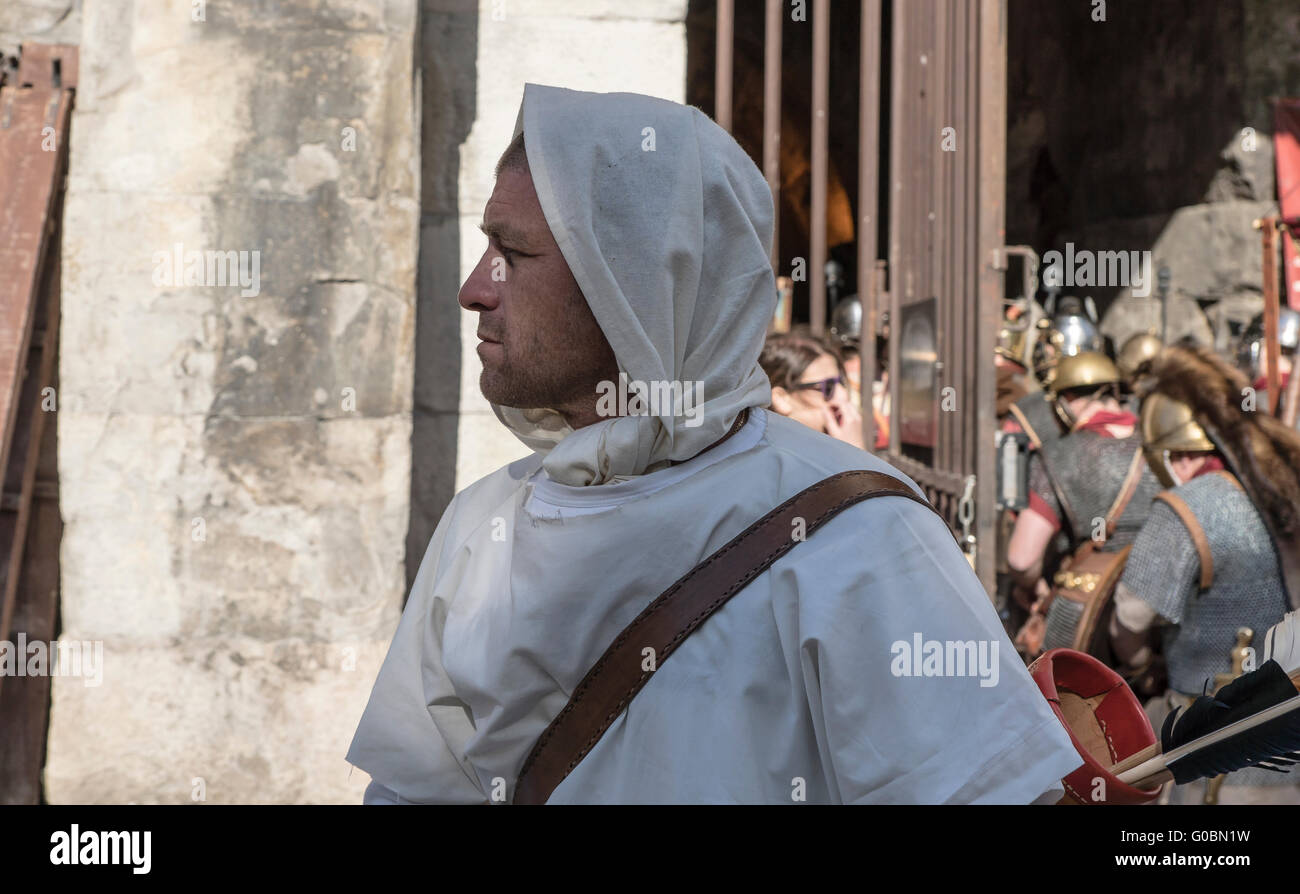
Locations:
(1237, 585)
(1163, 566)
(1035, 414)
(1089, 469)
(1205, 561)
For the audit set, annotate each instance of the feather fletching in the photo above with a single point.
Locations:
(1254, 721)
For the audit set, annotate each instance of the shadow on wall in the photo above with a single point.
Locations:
(447, 59)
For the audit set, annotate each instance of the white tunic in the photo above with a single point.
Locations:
(792, 690)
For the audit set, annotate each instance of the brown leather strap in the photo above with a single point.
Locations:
(1126, 491)
(618, 676)
(1127, 488)
(1024, 424)
(1199, 540)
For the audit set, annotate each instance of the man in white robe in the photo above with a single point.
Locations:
(628, 242)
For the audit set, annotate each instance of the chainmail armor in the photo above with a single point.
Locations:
(1165, 570)
(1090, 469)
(1062, 621)
(1039, 413)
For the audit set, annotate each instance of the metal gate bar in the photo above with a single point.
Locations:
(946, 219)
(869, 42)
(34, 119)
(947, 70)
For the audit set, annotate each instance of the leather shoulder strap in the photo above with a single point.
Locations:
(1126, 491)
(1127, 488)
(1028, 428)
(1199, 540)
(612, 681)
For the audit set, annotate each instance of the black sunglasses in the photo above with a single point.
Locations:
(825, 386)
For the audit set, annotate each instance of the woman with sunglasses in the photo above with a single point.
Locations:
(809, 386)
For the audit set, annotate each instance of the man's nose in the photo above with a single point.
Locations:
(477, 293)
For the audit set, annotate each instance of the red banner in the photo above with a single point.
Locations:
(1286, 145)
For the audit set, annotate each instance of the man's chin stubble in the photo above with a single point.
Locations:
(505, 391)
(510, 393)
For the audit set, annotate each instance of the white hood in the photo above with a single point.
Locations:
(666, 224)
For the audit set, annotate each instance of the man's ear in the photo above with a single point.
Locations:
(781, 402)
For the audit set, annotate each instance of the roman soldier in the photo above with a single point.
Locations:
(1019, 396)
(1067, 334)
(1013, 377)
(1088, 488)
(1212, 558)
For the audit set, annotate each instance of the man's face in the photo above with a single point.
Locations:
(539, 343)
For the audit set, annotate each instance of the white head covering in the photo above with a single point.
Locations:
(666, 224)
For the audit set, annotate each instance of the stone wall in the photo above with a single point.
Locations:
(234, 459)
(1130, 134)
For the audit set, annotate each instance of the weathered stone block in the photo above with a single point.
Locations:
(228, 519)
(234, 520)
(238, 721)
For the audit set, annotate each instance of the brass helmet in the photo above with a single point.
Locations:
(1137, 350)
(1169, 426)
(1021, 321)
(1082, 370)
